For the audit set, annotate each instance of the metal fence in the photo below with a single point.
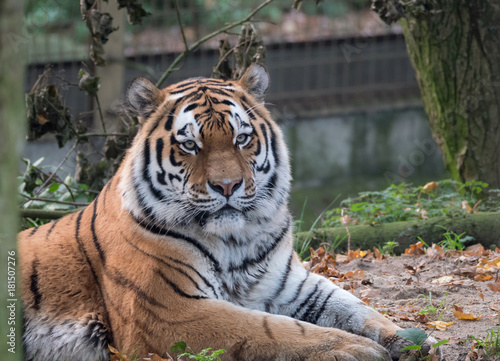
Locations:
(307, 78)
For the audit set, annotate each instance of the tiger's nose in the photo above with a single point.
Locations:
(226, 187)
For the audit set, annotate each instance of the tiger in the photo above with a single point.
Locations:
(191, 240)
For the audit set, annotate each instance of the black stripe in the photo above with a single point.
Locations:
(306, 300)
(302, 328)
(97, 244)
(281, 287)
(51, 228)
(145, 172)
(162, 261)
(307, 316)
(265, 164)
(34, 285)
(176, 288)
(117, 277)
(33, 231)
(299, 289)
(247, 262)
(165, 232)
(271, 183)
(267, 329)
(190, 107)
(106, 190)
(159, 150)
(322, 308)
(81, 247)
(171, 177)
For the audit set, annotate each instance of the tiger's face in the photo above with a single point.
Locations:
(208, 154)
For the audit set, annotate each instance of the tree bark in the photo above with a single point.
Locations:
(484, 227)
(454, 46)
(13, 40)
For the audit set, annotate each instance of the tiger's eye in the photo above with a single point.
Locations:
(189, 145)
(242, 138)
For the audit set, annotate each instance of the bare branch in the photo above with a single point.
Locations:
(45, 214)
(186, 46)
(76, 204)
(47, 181)
(195, 46)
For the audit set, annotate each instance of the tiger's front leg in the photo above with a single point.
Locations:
(311, 298)
(250, 335)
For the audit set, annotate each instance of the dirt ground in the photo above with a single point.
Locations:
(396, 286)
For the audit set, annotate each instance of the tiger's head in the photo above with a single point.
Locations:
(208, 154)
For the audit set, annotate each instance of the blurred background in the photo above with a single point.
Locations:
(342, 85)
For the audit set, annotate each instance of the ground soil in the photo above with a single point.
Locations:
(395, 286)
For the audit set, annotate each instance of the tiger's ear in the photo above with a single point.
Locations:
(142, 99)
(255, 81)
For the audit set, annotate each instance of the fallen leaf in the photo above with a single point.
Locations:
(443, 279)
(482, 278)
(415, 249)
(115, 355)
(494, 308)
(458, 313)
(439, 325)
(435, 252)
(378, 255)
(495, 286)
(482, 296)
(369, 293)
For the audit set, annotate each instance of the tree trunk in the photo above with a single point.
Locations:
(454, 46)
(483, 227)
(13, 40)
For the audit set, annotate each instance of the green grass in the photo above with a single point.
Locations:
(430, 308)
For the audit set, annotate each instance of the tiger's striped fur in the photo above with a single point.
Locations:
(191, 241)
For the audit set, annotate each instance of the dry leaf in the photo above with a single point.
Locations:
(482, 278)
(115, 355)
(429, 187)
(495, 286)
(458, 313)
(415, 249)
(435, 252)
(466, 207)
(378, 255)
(439, 325)
(481, 296)
(443, 279)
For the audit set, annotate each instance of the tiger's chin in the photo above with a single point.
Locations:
(224, 222)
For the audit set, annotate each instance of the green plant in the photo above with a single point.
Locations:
(302, 247)
(418, 337)
(388, 248)
(204, 355)
(404, 202)
(491, 343)
(429, 308)
(453, 241)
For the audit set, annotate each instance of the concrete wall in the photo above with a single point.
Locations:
(393, 144)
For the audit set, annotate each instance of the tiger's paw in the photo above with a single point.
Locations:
(396, 344)
(352, 348)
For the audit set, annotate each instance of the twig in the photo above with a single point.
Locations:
(103, 135)
(100, 112)
(76, 204)
(195, 46)
(45, 214)
(345, 220)
(42, 187)
(186, 46)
